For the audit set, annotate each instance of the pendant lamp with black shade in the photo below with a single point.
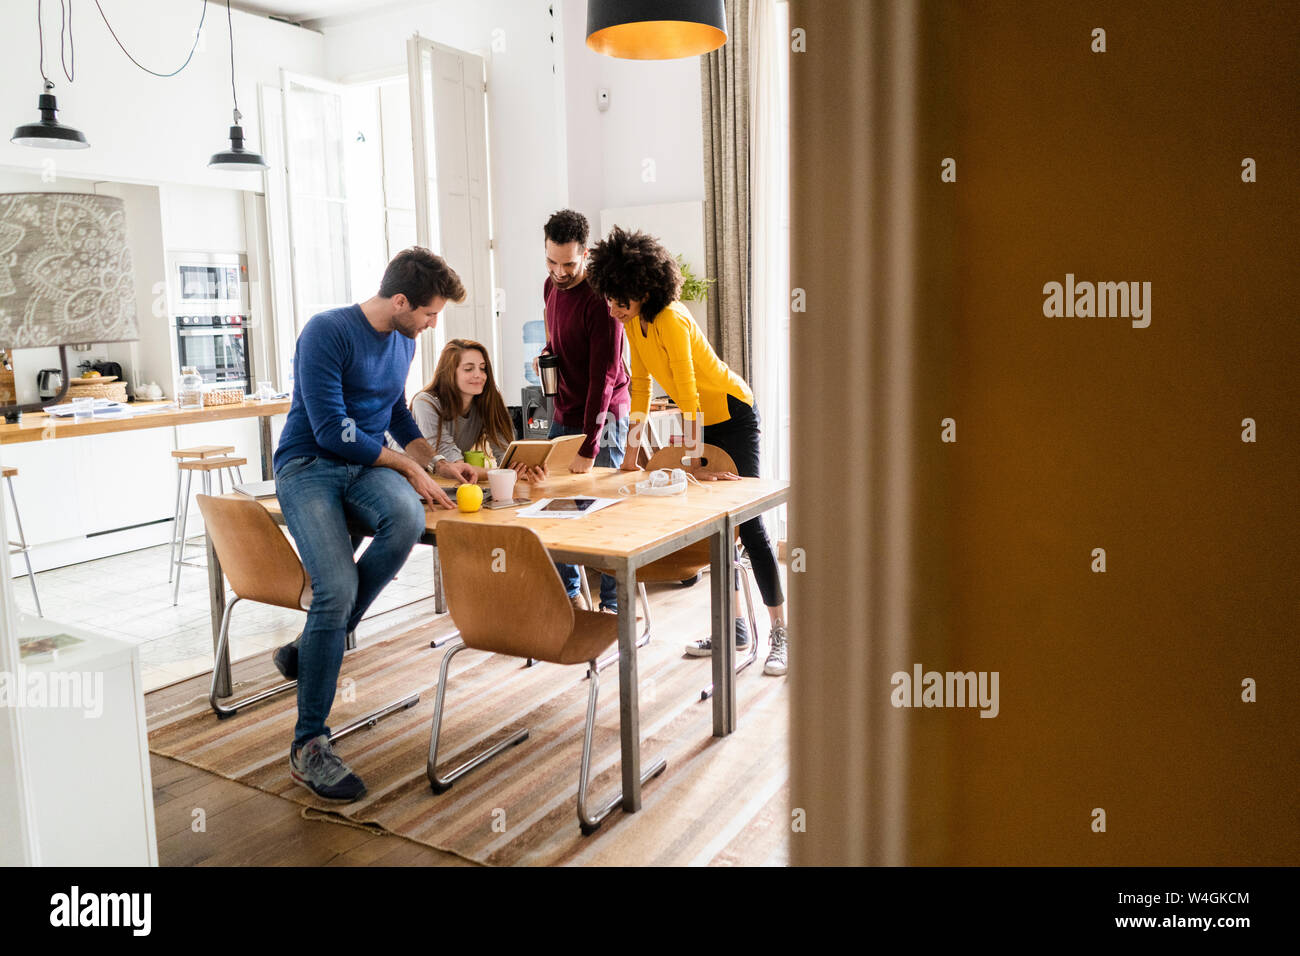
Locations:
(48, 132)
(237, 158)
(655, 29)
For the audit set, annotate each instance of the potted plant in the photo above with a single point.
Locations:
(694, 288)
(695, 292)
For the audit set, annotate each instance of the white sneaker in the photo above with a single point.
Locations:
(776, 655)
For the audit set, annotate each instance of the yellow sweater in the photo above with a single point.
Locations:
(675, 352)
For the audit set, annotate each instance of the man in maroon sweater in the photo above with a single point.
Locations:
(593, 399)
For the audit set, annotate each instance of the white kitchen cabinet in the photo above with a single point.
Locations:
(99, 495)
(46, 486)
(126, 479)
(92, 791)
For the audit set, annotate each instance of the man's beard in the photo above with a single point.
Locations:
(570, 282)
(405, 327)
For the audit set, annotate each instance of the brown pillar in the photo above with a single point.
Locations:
(1119, 690)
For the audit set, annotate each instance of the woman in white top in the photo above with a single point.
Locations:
(479, 420)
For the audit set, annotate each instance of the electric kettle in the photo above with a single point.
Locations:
(48, 383)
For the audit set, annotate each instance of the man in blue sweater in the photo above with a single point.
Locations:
(331, 465)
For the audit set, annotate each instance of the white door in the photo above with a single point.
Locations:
(334, 188)
(453, 215)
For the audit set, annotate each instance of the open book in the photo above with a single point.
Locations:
(555, 453)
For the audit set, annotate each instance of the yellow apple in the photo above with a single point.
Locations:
(469, 498)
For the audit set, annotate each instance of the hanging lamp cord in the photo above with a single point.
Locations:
(40, 38)
(65, 18)
(66, 48)
(197, 33)
(230, 26)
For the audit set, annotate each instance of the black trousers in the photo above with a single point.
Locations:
(738, 437)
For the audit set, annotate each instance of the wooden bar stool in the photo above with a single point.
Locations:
(205, 467)
(197, 451)
(20, 546)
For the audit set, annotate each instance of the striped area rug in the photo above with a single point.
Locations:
(720, 801)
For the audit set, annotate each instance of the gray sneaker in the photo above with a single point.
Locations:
(704, 648)
(319, 769)
(776, 655)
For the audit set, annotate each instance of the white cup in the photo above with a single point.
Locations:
(83, 409)
(501, 482)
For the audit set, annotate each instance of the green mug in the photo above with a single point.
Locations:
(476, 458)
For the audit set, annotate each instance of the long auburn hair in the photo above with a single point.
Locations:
(498, 429)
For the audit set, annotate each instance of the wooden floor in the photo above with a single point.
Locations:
(243, 826)
(246, 827)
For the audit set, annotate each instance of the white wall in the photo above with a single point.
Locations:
(199, 217)
(525, 129)
(648, 147)
(551, 146)
(142, 128)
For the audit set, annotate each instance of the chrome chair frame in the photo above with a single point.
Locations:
(443, 784)
(588, 822)
(224, 711)
(644, 604)
(743, 568)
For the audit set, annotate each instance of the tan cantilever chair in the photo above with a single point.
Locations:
(262, 567)
(518, 608)
(691, 560)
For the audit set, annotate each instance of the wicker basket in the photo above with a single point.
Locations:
(113, 391)
(222, 396)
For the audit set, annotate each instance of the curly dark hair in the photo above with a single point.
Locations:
(566, 226)
(420, 276)
(627, 266)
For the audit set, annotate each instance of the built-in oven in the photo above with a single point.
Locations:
(210, 315)
(216, 346)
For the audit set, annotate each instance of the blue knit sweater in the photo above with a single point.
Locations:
(349, 387)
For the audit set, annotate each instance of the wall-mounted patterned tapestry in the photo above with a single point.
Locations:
(65, 270)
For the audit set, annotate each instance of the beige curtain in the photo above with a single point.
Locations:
(770, 246)
(724, 85)
(854, 174)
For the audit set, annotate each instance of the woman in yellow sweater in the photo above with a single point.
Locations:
(640, 282)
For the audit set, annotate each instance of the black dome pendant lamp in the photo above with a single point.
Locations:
(49, 133)
(655, 29)
(235, 159)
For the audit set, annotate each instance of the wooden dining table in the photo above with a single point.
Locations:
(618, 540)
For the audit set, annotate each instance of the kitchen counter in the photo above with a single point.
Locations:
(40, 426)
(113, 486)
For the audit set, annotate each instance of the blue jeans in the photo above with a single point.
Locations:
(318, 496)
(609, 454)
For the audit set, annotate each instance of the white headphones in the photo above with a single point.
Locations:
(662, 483)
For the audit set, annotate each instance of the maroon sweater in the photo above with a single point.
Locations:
(589, 344)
